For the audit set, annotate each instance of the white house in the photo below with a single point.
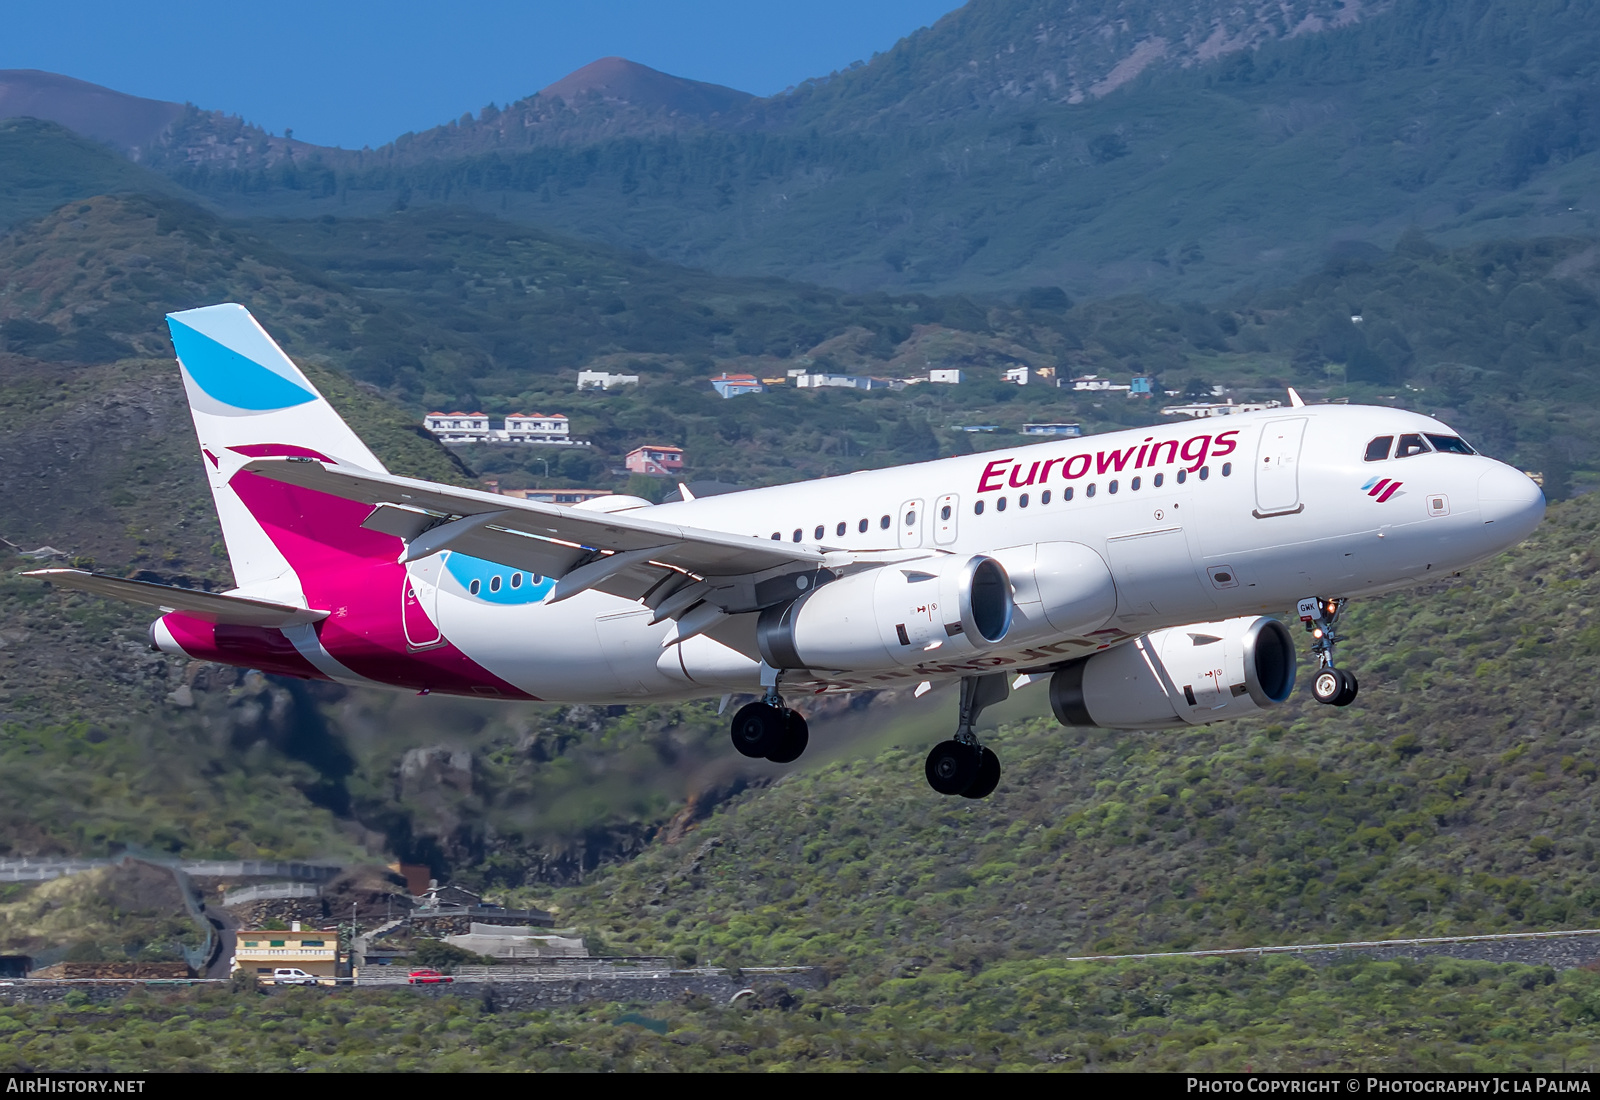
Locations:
(604, 380)
(949, 375)
(1017, 376)
(458, 427)
(846, 381)
(1096, 384)
(537, 428)
(1201, 411)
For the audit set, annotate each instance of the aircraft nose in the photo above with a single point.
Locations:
(1511, 501)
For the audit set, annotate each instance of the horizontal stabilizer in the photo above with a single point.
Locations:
(210, 606)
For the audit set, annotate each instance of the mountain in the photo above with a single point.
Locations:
(618, 80)
(126, 122)
(1010, 146)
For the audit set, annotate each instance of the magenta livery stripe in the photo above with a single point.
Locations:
(1389, 492)
(1378, 488)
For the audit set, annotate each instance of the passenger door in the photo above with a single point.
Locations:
(1278, 468)
(419, 603)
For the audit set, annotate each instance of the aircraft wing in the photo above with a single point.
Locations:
(632, 556)
(210, 606)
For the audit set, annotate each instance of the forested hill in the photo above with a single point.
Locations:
(954, 162)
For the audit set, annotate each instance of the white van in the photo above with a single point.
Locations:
(292, 975)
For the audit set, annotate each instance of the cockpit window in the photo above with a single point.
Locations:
(1451, 445)
(1410, 445)
(1378, 449)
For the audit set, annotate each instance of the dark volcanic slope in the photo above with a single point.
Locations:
(126, 121)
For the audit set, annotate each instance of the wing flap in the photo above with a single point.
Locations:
(520, 523)
(211, 606)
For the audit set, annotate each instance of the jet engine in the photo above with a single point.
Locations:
(1186, 675)
(893, 616)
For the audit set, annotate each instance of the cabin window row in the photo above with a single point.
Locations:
(821, 530)
(495, 582)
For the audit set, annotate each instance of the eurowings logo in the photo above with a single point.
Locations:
(1382, 490)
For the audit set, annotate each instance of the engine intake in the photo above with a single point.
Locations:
(893, 616)
(1185, 675)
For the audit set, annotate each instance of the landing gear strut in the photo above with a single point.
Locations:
(1331, 685)
(767, 728)
(961, 765)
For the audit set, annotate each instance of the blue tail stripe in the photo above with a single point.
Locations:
(231, 378)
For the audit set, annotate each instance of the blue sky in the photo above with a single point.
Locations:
(360, 73)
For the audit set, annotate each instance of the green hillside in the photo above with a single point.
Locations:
(1472, 120)
(43, 165)
(1239, 1017)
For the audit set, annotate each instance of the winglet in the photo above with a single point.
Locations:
(1295, 400)
(683, 491)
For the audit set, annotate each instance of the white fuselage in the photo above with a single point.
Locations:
(1271, 507)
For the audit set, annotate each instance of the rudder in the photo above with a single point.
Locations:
(248, 400)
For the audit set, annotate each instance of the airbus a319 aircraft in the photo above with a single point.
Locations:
(1135, 570)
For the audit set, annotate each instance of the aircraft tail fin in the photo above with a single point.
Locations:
(248, 400)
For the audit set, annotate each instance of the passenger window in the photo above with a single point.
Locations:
(884, 523)
(944, 513)
(1227, 469)
(1183, 475)
(516, 580)
(1158, 479)
(1022, 501)
(1450, 444)
(474, 587)
(1089, 492)
(494, 583)
(817, 534)
(1000, 505)
(977, 508)
(862, 527)
(840, 529)
(1112, 488)
(777, 536)
(911, 518)
(1044, 497)
(1135, 484)
(797, 533)
(1409, 445)
(1205, 472)
(1378, 449)
(1066, 494)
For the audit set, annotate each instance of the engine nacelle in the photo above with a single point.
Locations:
(894, 616)
(1186, 675)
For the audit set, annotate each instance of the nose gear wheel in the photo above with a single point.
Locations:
(1333, 686)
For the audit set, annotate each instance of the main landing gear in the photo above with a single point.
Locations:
(1331, 685)
(767, 728)
(962, 766)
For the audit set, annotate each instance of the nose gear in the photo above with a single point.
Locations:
(1331, 685)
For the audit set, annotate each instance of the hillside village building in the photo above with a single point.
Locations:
(655, 461)
(260, 951)
(948, 375)
(604, 380)
(548, 430)
(732, 385)
(1201, 411)
(458, 427)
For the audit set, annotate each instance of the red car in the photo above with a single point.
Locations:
(427, 977)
